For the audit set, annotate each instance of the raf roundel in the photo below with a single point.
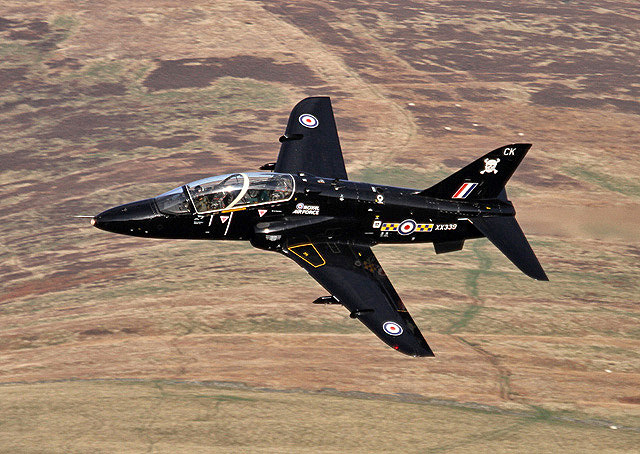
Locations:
(407, 227)
(392, 328)
(308, 120)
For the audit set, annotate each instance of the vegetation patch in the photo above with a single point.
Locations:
(605, 181)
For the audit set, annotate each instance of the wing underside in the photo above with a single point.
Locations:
(354, 277)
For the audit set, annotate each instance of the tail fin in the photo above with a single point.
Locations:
(506, 235)
(484, 178)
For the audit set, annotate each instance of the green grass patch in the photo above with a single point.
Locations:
(609, 182)
(104, 71)
(232, 325)
(14, 53)
(398, 176)
(66, 22)
(169, 416)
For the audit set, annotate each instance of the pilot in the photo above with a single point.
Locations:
(264, 196)
(252, 196)
(215, 200)
(227, 199)
(199, 199)
(281, 191)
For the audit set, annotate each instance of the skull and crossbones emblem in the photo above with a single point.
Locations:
(490, 165)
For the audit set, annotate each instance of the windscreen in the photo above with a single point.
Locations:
(173, 202)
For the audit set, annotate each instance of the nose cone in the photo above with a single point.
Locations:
(129, 219)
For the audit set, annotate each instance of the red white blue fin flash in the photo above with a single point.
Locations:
(464, 190)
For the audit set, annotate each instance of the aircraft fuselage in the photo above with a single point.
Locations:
(340, 210)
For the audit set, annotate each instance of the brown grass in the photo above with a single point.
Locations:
(166, 416)
(103, 106)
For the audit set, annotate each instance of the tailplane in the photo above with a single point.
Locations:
(484, 178)
(505, 233)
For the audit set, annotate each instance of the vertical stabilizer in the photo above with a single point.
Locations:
(484, 178)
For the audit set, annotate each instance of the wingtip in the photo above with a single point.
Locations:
(537, 272)
(309, 98)
(425, 354)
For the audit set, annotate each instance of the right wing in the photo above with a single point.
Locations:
(310, 143)
(354, 277)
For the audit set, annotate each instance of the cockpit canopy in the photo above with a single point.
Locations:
(224, 192)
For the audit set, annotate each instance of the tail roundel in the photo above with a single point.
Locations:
(484, 178)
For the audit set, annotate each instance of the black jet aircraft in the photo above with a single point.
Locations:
(304, 207)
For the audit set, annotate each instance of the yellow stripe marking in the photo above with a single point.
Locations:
(235, 209)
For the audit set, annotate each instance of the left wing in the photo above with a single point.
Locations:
(354, 277)
(310, 143)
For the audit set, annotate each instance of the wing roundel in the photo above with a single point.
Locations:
(310, 143)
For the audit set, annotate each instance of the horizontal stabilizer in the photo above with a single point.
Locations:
(506, 235)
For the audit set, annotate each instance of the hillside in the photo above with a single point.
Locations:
(104, 105)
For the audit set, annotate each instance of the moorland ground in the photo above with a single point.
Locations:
(114, 343)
